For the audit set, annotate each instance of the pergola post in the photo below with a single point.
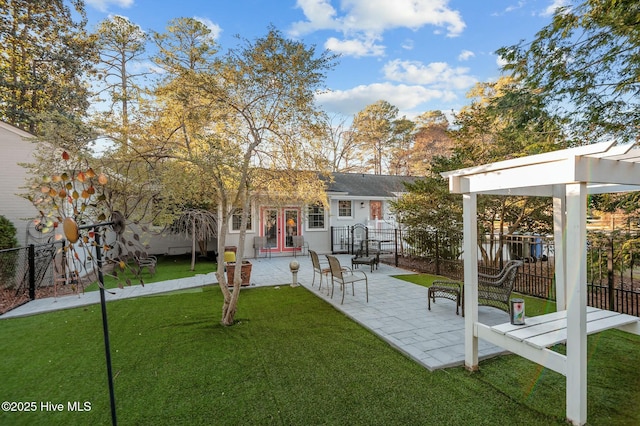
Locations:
(576, 235)
(470, 247)
(560, 262)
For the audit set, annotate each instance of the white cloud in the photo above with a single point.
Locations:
(213, 27)
(364, 21)
(438, 74)
(320, 15)
(408, 44)
(405, 97)
(465, 55)
(376, 16)
(354, 47)
(501, 61)
(103, 5)
(555, 4)
(515, 7)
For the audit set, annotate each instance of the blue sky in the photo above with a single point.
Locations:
(419, 55)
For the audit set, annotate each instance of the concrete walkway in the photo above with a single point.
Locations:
(396, 312)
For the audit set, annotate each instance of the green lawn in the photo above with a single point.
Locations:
(291, 359)
(168, 268)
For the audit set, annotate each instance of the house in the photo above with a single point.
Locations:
(17, 149)
(353, 198)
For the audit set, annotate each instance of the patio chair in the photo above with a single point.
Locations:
(343, 276)
(299, 243)
(147, 261)
(499, 275)
(319, 269)
(495, 290)
(259, 245)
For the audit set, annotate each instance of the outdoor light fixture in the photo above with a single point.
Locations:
(362, 204)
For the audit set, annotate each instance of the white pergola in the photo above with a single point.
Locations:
(567, 176)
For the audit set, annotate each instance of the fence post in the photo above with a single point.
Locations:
(437, 254)
(352, 238)
(366, 239)
(331, 241)
(395, 242)
(32, 272)
(500, 249)
(610, 275)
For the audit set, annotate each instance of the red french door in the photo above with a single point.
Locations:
(280, 225)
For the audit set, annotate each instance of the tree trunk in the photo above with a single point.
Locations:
(193, 245)
(230, 303)
(230, 306)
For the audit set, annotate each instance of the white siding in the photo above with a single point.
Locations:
(15, 150)
(360, 212)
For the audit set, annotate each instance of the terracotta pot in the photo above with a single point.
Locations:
(245, 272)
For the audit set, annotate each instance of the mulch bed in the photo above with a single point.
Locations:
(10, 300)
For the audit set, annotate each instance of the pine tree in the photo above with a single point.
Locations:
(44, 57)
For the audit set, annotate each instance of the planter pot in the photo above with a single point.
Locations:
(245, 272)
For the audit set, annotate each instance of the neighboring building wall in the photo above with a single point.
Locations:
(165, 243)
(171, 244)
(15, 149)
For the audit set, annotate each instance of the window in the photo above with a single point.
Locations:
(376, 209)
(344, 208)
(236, 220)
(315, 216)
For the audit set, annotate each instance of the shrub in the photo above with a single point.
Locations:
(7, 259)
(7, 234)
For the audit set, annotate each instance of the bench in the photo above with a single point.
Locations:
(446, 289)
(365, 260)
(367, 254)
(533, 340)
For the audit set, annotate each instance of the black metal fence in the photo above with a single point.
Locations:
(24, 270)
(348, 239)
(612, 258)
(613, 281)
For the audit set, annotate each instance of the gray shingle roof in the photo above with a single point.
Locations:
(364, 185)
